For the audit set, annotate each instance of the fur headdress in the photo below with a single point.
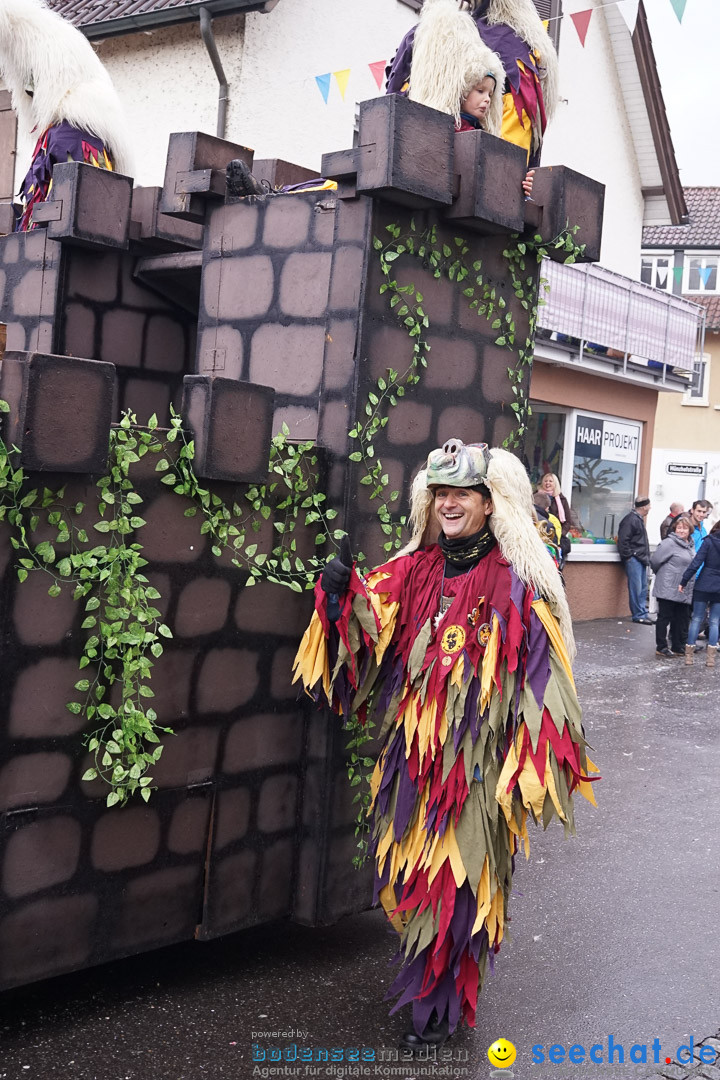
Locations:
(522, 17)
(449, 59)
(53, 74)
(511, 522)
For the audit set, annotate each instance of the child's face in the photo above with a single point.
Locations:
(478, 100)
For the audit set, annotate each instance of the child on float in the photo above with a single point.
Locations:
(454, 72)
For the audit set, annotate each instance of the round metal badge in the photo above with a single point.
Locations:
(453, 639)
(483, 633)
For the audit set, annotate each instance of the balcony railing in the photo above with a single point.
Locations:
(595, 305)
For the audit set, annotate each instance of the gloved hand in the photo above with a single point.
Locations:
(336, 575)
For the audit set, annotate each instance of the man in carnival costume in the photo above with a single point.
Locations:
(461, 650)
(62, 95)
(423, 66)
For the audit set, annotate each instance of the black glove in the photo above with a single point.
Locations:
(336, 575)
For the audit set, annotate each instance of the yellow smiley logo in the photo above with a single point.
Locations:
(501, 1054)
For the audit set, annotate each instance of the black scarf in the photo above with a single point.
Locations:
(464, 551)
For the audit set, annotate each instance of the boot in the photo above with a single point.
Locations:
(711, 654)
(435, 1034)
(689, 654)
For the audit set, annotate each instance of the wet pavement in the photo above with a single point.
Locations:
(613, 934)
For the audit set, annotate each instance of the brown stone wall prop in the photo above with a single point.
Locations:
(562, 199)
(89, 207)
(60, 411)
(195, 173)
(231, 424)
(405, 152)
(268, 269)
(160, 232)
(489, 172)
(106, 313)
(30, 268)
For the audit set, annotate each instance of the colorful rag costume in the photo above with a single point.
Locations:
(62, 95)
(513, 31)
(469, 679)
(60, 143)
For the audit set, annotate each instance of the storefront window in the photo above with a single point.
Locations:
(544, 444)
(605, 461)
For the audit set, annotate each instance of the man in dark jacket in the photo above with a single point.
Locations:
(634, 550)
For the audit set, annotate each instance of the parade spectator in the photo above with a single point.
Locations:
(634, 550)
(707, 591)
(701, 509)
(560, 507)
(676, 509)
(670, 560)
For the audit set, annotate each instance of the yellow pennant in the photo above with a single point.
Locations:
(341, 78)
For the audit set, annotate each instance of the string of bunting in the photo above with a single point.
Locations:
(580, 19)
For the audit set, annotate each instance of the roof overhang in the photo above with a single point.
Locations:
(151, 20)
(641, 89)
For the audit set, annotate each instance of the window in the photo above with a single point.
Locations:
(701, 273)
(542, 450)
(606, 455)
(657, 270)
(698, 392)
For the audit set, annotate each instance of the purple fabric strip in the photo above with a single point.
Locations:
(538, 659)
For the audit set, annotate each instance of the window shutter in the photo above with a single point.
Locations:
(551, 10)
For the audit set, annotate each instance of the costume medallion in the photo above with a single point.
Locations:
(453, 639)
(483, 633)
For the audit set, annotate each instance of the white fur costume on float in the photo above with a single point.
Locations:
(512, 524)
(449, 59)
(43, 53)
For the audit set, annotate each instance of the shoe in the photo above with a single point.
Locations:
(645, 622)
(436, 1033)
(699, 648)
(678, 652)
(711, 654)
(689, 654)
(665, 653)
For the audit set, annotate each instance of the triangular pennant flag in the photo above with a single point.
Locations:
(582, 21)
(629, 11)
(323, 82)
(678, 273)
(678, 7)
(661, 277)
(341, 77)
(378, 72)
(705, 272)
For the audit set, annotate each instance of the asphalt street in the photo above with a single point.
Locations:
(613, 933)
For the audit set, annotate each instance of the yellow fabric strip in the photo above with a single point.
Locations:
(552, 629)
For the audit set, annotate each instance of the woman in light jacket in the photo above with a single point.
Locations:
(560, 507)
(670, 560)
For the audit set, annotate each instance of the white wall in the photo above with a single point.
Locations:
(667, 487)
(167, 83)
(590, 133)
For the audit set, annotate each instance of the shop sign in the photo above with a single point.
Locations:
(588, 437)
(606, 439)
(620, 442)
(678, 468)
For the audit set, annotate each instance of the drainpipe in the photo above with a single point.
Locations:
(208, 37)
